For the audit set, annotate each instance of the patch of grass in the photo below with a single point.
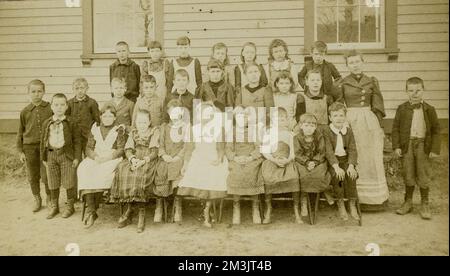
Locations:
(10, 165)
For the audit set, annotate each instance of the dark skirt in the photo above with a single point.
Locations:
(280, 180)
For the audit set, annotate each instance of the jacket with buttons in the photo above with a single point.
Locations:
(85, 113)
(401, 128)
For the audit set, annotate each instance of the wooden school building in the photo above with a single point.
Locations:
(59, 40)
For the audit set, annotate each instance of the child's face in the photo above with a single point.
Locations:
(155, 53)
(415, 92)
(108, 118)
(318, 56)
(59, 106)
(148, 89)
(122, 53)
(142, 122)
(249, 53)
(284, 85)
(80, 89)
(314, 82)
(215, 74)
(355, 64)
(338, 118)
(175, 114)
(220, 54)
(308, 128)
(181, 83)
(183, 50)
(118, 89)
(253, 74)
(36, 93)
(279, 53)
(282, 120)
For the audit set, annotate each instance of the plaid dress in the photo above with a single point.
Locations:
(138, 185)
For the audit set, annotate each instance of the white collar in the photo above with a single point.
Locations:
(343, 130)
(278, 66)
(62, 118)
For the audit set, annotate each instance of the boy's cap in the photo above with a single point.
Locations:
(214, 63)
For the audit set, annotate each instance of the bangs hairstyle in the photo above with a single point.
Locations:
(148, 78)
(282, 111)
(248, 44)
(319, 46)
(146, 113)
(154, 44)
(36, 82)
(174, 103)
(308, 118)
(218, 46)
(182, 72)
(108, 107)
(59, 96)
(414, 80)
(122, 43)
(285, 75)
(277, 43)
(314, 71)
(184, 40)
(80, 80)
(247, 66)
(337, 106)
(352, 53)
(119, 81)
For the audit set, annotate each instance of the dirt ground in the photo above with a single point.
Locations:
(25, 233)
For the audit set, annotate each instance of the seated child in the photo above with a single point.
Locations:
(104, 151)
(149, 101)
(206, 172)
(309, 145)
(173, 153)
(279, 172)
(135, 176)
(244, 163)
(342, 156)
(124, 107)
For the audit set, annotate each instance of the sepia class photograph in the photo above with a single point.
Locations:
(224, 128)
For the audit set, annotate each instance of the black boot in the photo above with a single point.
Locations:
(54, 204)
(37, 203)
(141, 218)
(70, 205)
(126, 217)
(425, 211)
(91, 210)
(408, 204)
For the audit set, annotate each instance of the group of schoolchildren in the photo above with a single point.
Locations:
(125, 152)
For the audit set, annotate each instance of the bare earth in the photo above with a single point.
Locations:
(25, 233)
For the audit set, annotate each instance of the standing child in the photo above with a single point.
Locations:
(416, 140)
(28, 140)
(186, 62)
(158, 67)
(123, 106)
(285, 96)
(206, 172)
(245, 159)
(220, 53)
(127, 69)
(327, 70)
(248, 56)
(279, 172)
(149, 101)
(104, 152)
(279, 62)
(255, 93)
(342, 156)
(60, 152)
(174, 152)
(217, 89)
(180, 92)
(83, 109)
(135, 176)
(309, 146)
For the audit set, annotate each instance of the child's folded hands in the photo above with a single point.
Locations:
(398, 153)
(311, 165)
(167, 158)
(75, 163)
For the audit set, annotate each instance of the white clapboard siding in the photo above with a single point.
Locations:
(43, 39)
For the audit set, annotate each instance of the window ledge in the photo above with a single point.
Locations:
(87, 59)
(392, 53)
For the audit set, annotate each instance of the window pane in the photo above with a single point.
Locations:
(348, 24)
(369, 24)
(326, 3)
(326, 25)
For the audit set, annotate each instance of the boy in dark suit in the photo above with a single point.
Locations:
(342, 156)
(416, 139)
(61, 152)
(28, 140)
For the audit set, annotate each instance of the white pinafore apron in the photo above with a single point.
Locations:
(288, 102)
(192, 86)
(95, 176)
(318, 108)
(160, 76)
